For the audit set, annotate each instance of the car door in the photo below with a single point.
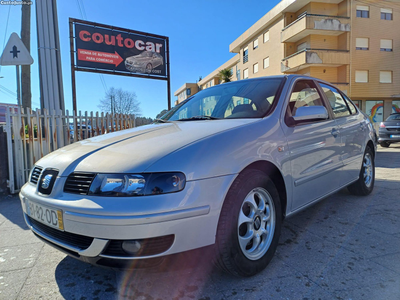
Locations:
(352, 130)
(314, 147)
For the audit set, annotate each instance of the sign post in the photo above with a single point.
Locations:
(16, 54)
(113, 50)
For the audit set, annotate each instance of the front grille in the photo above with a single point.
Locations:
(151, 246)
(36, 174)
(71, 239)
(393, 129)
(79, 183)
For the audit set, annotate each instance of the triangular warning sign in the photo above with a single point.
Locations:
(15, 53)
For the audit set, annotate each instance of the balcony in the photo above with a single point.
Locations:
(307, 24)
(310, 57)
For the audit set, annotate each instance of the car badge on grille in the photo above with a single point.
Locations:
(46, 181)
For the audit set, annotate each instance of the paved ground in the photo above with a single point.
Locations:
(345, 247)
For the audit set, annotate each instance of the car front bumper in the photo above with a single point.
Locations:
(92, 225)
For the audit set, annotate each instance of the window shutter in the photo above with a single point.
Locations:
(387, 44)
(387, 10)
(362, 42)
(266, 36)
(361, 76)
(386, 76)
(266, 62)
(255, 68)
(255, 43)
(362, 7)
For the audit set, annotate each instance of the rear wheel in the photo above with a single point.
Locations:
(385, 144)
(249, 225)
(365, 183)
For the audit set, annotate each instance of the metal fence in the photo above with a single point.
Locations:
(33, 134)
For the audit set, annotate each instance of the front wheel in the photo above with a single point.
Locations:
(249, 225)
(149, 67)
(365, 183)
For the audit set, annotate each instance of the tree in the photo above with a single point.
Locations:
(118, 101)
(163, 112)
(225, 75)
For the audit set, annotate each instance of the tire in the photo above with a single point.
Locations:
(365, 183)
(384, 144)
(252, 214)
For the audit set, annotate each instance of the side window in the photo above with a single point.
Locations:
(336, 101)
(304, 93)
(351, 105)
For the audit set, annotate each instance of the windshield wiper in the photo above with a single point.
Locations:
(161, 121)
(195, 118)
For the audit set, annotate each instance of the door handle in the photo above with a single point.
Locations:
(335, 132)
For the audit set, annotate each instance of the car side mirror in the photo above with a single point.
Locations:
(306, 113)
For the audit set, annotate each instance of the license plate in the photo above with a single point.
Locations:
(395, 136)
(44, 214)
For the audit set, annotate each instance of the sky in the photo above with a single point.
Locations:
(199, 32)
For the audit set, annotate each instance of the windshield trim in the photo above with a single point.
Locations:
(267, 113)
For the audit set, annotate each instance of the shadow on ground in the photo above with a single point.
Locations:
(11, 210)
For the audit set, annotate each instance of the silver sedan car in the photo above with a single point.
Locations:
(223, 168)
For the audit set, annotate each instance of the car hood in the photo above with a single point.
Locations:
(138, 59)
(133, 150)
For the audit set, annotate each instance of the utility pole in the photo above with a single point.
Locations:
(26, 69)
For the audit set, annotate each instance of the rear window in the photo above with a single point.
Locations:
(393, 117)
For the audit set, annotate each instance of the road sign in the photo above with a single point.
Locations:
(15, 53)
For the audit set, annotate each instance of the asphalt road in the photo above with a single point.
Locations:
(344, 247)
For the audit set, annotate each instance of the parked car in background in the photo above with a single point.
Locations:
(389, 130)
(144, 62)
(81, 128)
(224, 168)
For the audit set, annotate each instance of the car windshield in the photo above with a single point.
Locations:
(242, 99)
(393, 117)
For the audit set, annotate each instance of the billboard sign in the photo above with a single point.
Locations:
(119, 51)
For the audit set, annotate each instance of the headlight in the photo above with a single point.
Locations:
(129, 185)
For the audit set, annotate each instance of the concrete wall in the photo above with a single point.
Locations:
(374, 60)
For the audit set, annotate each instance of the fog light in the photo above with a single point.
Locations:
(131, 247)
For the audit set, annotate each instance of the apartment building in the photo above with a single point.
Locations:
(354, 44)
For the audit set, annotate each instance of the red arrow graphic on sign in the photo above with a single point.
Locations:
(100, 57)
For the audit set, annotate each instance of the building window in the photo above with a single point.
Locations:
(245, 73)
(387, 45)
(361, 76)
(386, 14)
(266, 62)
(255, 68)
(362, 43)
(188, 91)
(255, 44)
(245, 55)
(385, 77)
(362, 11)
(374, 110)
(302, 46)
(238, 74)
(395, 106)
(266, 36)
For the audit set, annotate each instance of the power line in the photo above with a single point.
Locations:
(7, 94)
(8, 91)
(5, 33)
(82, 12)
